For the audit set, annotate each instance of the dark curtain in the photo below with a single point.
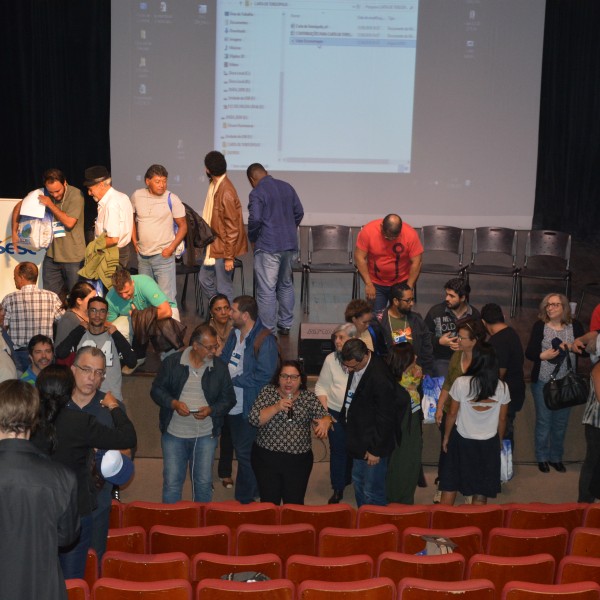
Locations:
(55, 66)
(568, 176)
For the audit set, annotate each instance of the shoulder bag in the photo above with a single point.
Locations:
(571, 390)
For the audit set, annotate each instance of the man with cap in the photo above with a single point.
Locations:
(115, 213)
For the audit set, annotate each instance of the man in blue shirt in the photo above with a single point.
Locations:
(275, 211)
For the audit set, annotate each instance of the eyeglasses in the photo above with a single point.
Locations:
(408, 300)
(460, 338)
(91, 372)
(289, 376)
(97, 311)
(212, 348)
(554, 305)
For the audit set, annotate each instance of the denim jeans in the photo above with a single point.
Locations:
(369, 482)
(162, 270)
(592, 456)
(101, 520)
(340, 464)
(56, 275)
(178, 453)
(274, 288)
(550, 427)
(382, 297)
(216, 280)
(242, 436)
(72, 561)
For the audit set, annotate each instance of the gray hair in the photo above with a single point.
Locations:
(348, 328)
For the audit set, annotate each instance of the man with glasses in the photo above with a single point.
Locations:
(105, 336)
(387, 251)
(400, 324)
(369, 412)
(441, 322)
(89, 371)
(194, 391)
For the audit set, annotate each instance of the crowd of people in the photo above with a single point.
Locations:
(67, 343)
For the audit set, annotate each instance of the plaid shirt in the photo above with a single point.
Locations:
(30, 311)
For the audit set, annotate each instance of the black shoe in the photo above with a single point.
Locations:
(543, 467)
(422, 483)
(336, 497)
(558, 466)
(283, 330)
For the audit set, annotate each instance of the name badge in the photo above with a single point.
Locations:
(58, 229)
(235, 359)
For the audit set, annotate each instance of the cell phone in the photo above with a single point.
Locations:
(194, 410)
(556, 345)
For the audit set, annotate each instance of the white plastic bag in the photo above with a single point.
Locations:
(506, 462)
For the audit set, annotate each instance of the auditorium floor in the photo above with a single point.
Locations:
(329, 296)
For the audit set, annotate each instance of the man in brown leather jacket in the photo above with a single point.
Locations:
(223, 211)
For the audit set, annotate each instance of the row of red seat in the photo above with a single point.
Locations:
(301, 538)
(379, 588)
(233, 514)
(298, 567)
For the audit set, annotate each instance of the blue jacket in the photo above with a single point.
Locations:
(258, 370)
(274, 213)
(170, 381)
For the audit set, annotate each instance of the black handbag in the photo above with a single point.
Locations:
(571, 390)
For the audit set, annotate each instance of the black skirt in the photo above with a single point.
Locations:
(471, 466)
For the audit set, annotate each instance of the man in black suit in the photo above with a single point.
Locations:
(38, 512)
(370, 413)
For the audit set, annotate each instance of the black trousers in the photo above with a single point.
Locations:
(281, 476)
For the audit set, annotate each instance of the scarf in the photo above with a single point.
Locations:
(207, 212)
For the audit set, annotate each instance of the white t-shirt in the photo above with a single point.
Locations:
(472, 422)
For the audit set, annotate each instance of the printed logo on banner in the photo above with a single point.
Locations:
(7, 246)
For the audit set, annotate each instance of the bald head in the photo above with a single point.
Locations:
(391, 226)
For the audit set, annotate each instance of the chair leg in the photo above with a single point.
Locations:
(307, 293)
(581, 297)
(184, 290)
(513, 296)
(197, 291)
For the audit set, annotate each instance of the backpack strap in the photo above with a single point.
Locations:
(259, 339)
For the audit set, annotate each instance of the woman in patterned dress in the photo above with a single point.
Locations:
(285, 413)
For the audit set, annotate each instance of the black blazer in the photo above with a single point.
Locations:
(371, 417)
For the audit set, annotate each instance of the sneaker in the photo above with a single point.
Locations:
(283, 330)
(468, 499)
(227, 482)
(437, 497)
(130, 370)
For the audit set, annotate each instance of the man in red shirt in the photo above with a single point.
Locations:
(387, 251)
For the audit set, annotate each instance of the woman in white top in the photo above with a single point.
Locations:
(331, 389)
(478, 408)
